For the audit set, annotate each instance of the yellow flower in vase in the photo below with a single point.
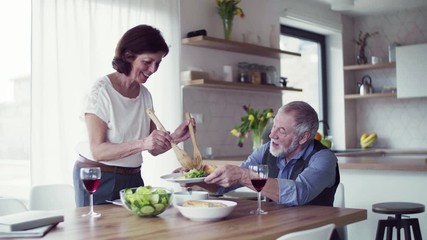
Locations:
(227, 9)
(252, 125)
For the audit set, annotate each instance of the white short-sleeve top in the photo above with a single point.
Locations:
(126, 118)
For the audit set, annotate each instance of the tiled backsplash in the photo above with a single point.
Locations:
(222, 110)
(400, 123)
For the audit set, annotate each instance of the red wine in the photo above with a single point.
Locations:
(91, 184)
(258, 183)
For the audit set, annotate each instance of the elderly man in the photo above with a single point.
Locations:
(301, 170)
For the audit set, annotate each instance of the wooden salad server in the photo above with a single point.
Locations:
(182, 156)
(197, 161)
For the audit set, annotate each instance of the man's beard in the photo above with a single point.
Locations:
(282, 152)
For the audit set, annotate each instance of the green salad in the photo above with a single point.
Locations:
(194, 173)
(147, 201)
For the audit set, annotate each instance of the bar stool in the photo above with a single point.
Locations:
(398, 208)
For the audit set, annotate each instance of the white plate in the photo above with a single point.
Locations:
(243, 193)
(179, 178)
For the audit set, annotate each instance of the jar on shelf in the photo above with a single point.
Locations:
(263, 72)
(243, 72)
(272, 76)
(255, 74)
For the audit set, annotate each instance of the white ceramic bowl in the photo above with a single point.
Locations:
(207, 213)
(179, 197)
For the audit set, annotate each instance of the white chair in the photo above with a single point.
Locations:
(339, 201)
(11, 205)
(319, 233)
(52, 197)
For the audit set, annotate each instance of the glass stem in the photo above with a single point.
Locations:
(91, 203)
(259, 201)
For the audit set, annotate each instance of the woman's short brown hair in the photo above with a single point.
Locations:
(137, 40)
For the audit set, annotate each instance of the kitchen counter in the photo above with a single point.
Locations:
(384, 159)
(373, 159)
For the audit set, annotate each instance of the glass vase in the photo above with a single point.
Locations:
(228, 27)
(256, 140)
(361, 58)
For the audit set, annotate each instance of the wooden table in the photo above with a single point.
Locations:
(118, 223)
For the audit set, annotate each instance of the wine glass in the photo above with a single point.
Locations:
(91, 177)
(259, 175)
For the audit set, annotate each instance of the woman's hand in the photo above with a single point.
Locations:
(182, 132)
(157, 142)
(180, 170)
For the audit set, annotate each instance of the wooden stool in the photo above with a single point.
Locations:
(398, 208)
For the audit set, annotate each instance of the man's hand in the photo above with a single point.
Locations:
(228, 175)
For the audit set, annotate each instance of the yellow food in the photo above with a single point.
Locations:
(364, 136)
(203, 204)
(366, 140)
(208, 169)
(318, 136)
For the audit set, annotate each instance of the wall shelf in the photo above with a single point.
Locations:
(373, 95)
(236, 86)
(233, 46)
(369, 66)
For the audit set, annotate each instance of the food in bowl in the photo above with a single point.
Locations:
(146, 201)
(203, 204)
(202, 211)
(179, 197)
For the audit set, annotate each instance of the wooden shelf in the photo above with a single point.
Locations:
(233, 46)
(370, 66)
(373, 95)
(237, 86)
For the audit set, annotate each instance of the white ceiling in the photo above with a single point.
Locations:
(372, 7)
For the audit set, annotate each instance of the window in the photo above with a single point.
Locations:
(307, 72)
(15, 45)
(52, 53)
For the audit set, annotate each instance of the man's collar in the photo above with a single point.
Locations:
(305, 151)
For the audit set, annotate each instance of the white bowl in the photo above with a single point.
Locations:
(179, 197)
(207, 213)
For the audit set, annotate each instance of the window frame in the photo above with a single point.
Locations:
(321, 40)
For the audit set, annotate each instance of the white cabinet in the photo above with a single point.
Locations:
(411, 71)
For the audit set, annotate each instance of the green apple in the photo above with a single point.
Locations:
(326, 142)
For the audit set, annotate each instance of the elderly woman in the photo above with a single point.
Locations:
(117, 124)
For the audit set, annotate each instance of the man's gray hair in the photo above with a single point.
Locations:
(306, 118)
